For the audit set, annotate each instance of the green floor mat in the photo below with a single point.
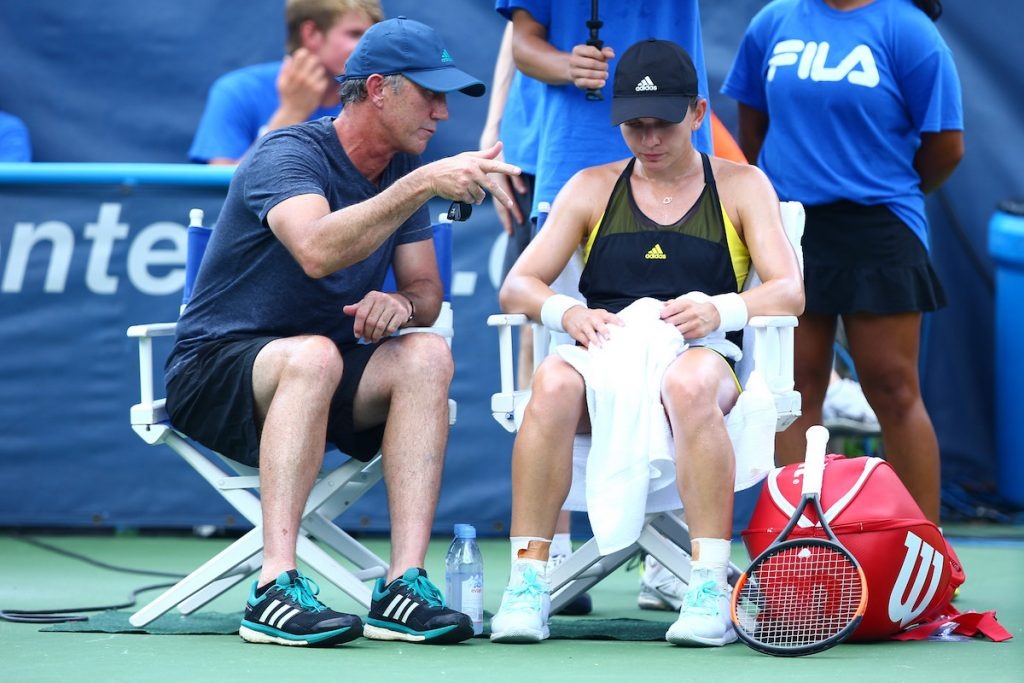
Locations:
(219, 623)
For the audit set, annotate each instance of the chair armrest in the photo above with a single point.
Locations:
(446, 332)
(152, 330)
(145, 334)
(505, 322)
(444, 326)
(505, 402)
(772, 321)
(773, 351)
(500, 319)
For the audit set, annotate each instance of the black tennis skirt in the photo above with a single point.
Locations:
(864, 259)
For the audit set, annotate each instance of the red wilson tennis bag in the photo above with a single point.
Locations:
(911, 571)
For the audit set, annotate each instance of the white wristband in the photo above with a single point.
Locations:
(732, 311)
(554, 308)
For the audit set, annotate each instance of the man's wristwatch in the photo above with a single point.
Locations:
(412, 306)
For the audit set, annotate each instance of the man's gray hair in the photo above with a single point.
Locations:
(355, 90)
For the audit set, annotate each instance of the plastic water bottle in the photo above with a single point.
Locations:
(464, 576)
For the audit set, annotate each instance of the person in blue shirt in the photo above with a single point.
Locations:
(247, 103)
(853, 107)
(15, 144)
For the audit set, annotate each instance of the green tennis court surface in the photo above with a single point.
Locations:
(34, 578)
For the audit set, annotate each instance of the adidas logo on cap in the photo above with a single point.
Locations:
(646, 84)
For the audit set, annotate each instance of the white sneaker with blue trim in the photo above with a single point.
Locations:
(705, 617)
(525, 605)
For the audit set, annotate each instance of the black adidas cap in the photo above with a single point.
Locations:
(653, 79)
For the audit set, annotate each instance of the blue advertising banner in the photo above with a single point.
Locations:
(80, 261)
(76, 263)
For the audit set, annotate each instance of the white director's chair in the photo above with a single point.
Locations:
(334, 492)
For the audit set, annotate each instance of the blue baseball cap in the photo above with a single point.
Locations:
(407, 47)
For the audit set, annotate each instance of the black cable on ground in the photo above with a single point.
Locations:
(59, 616)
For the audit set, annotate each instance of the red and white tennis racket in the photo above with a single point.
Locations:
(803, 595)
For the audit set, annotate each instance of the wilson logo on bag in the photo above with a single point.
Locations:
(917, 582)
(911, 570)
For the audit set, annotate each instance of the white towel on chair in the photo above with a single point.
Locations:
(627, 464)
(632, 452)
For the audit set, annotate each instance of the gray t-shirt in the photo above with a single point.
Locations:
(249, 284)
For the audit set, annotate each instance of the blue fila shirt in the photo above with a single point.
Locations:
(848, 95)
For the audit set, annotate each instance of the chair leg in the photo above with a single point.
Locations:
(667, 537)
(672, 555)
(335, 493)
(313, 555)
(334, 537)
(215, 589)
(214, 569)
(581, 570)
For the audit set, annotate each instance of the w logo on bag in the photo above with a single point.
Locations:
(922, 564)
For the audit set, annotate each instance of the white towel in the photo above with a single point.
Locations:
(626, 468)
(632, 452)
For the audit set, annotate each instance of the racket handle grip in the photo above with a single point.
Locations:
(814, 459)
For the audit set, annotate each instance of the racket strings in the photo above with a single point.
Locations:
(801, 595)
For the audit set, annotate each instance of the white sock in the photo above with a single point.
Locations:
(714, 556)
(522, 542)
(561, 544)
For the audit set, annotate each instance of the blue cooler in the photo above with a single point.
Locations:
(1006, 244)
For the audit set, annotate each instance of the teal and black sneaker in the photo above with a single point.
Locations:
(290, 614)
(411, 608)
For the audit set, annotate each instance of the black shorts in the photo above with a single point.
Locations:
(864, 259)
(211, 401)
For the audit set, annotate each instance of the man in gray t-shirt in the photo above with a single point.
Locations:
(287, 343)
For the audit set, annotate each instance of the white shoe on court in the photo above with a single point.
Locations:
(525, 605)
(660, 589)
(846, 408)
(705, 616)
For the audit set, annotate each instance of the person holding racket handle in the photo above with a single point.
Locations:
(683, 229)
(853, 107)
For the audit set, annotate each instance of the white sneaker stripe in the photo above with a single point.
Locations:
(265, 615)
(407, 611)
(395, 605)
(287, 617)
(272, 619)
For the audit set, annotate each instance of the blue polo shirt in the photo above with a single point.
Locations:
(848, 95)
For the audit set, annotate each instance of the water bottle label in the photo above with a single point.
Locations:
(472, 601)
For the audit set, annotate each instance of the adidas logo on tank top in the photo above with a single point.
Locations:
(656, 253)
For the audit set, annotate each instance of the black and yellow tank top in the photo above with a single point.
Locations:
(628, 256)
